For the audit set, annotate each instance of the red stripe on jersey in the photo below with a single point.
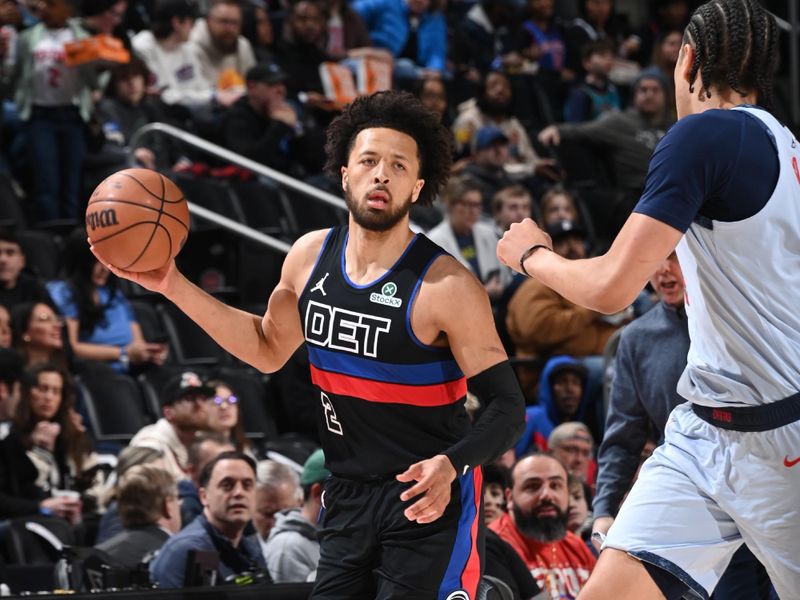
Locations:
(472, 570)
(439, 394)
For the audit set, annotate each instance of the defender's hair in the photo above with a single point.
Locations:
(736, 46)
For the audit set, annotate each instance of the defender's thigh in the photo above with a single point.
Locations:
(670, 519)
(762, 494)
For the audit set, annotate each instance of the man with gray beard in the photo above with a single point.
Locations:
(536, 527)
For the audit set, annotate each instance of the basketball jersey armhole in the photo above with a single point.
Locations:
(313, 272)
(412, 302)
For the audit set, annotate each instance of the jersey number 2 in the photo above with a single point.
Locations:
(330, 415)
(53, 77)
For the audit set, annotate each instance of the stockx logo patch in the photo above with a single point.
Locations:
(386, 297)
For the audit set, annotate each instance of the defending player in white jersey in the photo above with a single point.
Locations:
(724, 187)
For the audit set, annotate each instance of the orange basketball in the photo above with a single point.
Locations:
(137, 220)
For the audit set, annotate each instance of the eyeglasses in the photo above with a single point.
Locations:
(575, 450)
(471, 205)
(219, 400)
(48, 319)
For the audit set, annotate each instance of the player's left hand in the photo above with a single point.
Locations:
(433, 477)
(519, 237)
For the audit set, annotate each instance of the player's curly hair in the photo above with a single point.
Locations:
(736, 43)
(402, 112)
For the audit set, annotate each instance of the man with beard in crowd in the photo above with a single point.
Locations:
(493, 107)
(536, 527)
(224, 55)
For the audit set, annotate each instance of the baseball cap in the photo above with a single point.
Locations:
(489, 135)
(314, 469)
(269, 73)
(564, 228)
(183, 385)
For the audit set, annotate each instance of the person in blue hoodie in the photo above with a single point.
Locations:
(562, 397)
(412, 30)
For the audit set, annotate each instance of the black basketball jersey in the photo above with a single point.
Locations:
(387, 400)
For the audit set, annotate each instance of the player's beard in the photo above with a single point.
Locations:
(542, 529)
(376, 220)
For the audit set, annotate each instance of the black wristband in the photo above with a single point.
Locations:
(525, 256)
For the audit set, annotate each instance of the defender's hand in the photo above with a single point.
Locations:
(433, 477)
(519, 237)
(600, 526)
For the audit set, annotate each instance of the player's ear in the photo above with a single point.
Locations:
(509, 500)
(685, 60)
(344, 178)
(417, 189)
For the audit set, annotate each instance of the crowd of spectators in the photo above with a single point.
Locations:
(554, 108)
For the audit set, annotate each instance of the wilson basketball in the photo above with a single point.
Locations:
(137, 220)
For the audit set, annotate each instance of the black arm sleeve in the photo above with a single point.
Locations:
(501, 423)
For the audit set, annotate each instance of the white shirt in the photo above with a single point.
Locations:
(176, 72)
(54, 83)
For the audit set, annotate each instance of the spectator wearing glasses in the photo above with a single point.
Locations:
(225, 416)
(470, 241)
(37, 334)
(184, 408)
(572, 444)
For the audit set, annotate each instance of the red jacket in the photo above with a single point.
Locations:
(560, 568)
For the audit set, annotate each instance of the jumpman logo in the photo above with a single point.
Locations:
(320, 284)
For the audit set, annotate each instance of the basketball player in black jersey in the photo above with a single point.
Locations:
(395, 329)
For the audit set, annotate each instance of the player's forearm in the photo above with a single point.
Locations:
(500, 425)
(238, 332)
(595, 283)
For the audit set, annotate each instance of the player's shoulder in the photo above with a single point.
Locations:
(713, 127)
(308, 246)
(448, 275)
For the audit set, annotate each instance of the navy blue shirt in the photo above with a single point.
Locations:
(169, 567)
(719, 164)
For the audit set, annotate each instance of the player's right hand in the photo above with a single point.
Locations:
(600, 526)
(433, 479)
(158, 280)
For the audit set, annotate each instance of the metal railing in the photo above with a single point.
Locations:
(242, 161)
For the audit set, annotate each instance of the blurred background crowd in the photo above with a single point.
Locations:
(125, 428)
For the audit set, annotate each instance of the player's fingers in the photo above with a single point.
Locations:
(420, 507)
(426, 513)
(415, 490)
(412, 473)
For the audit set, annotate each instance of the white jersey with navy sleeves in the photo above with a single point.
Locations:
(743, 292)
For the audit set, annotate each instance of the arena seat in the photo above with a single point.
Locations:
(36, 540)
(42, 253)
(266, 208)
(113, 404)
(254, 409)
(190, 345)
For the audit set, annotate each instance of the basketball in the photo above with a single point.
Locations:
(137, 220)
